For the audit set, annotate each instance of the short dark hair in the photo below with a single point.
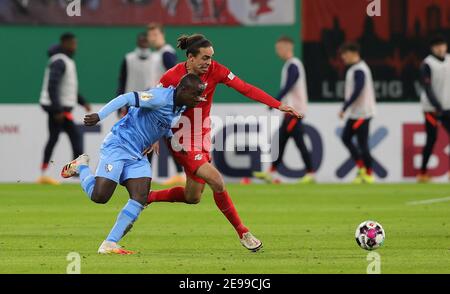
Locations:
(437, 40)
(285, 39)
(192, 81)
(155, 26)
(66, 37)
(193, 43)
(350, 47)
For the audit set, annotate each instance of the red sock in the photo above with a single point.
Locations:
(360, 163)
(44, 166)
(175, 194)
(369, 171)
(224, 203)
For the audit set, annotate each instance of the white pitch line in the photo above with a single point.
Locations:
(428, 201)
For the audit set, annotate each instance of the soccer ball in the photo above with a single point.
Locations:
(369, 235)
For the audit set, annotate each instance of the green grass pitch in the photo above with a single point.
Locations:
(305, 229)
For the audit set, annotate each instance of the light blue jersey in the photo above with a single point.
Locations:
(151, 115)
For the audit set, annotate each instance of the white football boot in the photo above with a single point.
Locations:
(71, 169)
(109, 247)
(251, 242)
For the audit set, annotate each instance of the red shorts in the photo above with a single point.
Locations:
(191, 161)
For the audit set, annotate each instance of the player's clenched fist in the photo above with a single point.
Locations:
(91, 119)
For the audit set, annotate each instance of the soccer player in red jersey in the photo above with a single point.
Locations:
(195, 140)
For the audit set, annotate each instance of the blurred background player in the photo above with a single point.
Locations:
(135, 70)
(196, 159)
(163, 55)
(59, 95)
(163, 58)
(360, 103)
(435, 98)
(294, 92)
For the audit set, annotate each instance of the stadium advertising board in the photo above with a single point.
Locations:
(396, 140)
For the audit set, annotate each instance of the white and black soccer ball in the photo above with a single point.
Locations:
(370, 235)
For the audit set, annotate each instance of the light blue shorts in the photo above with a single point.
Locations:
(118, 165)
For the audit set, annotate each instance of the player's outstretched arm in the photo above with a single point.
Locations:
(123, 100)
(259, 95)
(137, 99)
(128, 99)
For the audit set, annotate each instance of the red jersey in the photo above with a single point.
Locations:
(216, 74)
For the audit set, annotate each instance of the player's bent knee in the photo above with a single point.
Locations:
(217, 184)
(193, 200)
(100, 198)
(193, 197)
(142, 199)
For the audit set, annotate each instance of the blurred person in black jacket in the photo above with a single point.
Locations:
(59, 95)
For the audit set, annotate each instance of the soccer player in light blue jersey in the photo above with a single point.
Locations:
(152, 114)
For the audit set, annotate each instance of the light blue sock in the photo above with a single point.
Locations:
(125, 220)
(87, 179)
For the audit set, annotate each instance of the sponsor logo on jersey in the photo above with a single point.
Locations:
(198, 157)
(145, 96)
